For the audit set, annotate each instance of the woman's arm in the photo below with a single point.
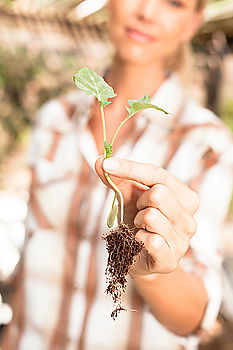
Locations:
(177, 299)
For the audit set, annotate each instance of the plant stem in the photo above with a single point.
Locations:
(103, 127)
(119, 127)
(107, 176)
(116, 189)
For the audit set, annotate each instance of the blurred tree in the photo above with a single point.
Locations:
(26, 81)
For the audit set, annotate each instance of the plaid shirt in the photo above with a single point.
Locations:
(60, 302)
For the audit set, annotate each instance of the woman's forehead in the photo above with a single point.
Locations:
(194, 3)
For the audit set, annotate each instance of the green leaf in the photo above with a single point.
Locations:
(92, 84)
(138, 105)
(108, 149)
(112, 216)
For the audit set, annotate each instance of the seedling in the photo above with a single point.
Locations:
(121, 243)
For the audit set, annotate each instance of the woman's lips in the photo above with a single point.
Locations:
(138, 36)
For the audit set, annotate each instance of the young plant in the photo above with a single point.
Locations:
(121, 243)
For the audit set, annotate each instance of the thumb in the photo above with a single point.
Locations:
(99, 168)
(145, 174)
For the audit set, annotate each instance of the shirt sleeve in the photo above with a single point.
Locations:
(215, 193)
(51, 118)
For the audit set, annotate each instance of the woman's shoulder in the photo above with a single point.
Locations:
(195, 113)
(207, 128)
(59, 113)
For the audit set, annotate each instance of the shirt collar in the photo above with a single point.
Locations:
(169, 96)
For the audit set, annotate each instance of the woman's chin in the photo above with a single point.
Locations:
(136, 55)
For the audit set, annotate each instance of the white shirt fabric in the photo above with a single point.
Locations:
(203, 158)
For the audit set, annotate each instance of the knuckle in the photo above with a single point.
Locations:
(137, 220)
(130, 167)
(157, 244)
(158, 175)
(158, 194)
(165, 261)
(140, 235)
(191, 227)
(149, 218)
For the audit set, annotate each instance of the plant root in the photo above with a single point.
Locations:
(122, 249)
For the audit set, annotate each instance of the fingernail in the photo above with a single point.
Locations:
(111, 164)
(101, 156)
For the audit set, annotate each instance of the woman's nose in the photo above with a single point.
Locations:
(147, 9)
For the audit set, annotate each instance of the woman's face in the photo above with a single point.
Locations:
(152, 30)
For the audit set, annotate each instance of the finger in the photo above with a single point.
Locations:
(162, 198)
(153, 221)
(149, 175)
(157, 256)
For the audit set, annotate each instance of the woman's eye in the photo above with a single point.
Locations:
(175, 3)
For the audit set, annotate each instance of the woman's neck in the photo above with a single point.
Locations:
(133, 81)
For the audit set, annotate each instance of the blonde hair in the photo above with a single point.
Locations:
(201, 4)
(183, 62)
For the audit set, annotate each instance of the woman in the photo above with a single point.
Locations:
(61, 303)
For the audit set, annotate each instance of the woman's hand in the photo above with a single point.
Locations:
(161, 208)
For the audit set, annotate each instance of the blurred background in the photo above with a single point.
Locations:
(42, 44)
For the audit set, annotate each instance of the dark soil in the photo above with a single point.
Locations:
(122, 250)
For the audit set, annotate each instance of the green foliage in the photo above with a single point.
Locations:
(15, 72)
(140, 104)
(226, 112)
(230, 211)
(27, 80)
(92, 84)
(108, 149)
